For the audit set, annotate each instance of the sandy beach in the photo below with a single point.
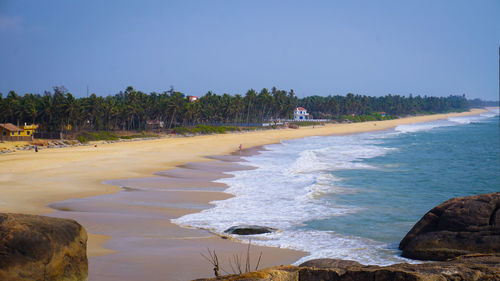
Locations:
(178, 174)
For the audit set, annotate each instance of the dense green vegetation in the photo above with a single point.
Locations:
(130, 110)
(367, 117)
(306, 123)
(205, 129)
(108, 136)
(481, 103)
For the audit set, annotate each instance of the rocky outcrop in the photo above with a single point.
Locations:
(473, 267)
(457, 227)
(330, 263)
(42, 248)
(249, 229)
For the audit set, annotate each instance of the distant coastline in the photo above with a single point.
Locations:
(32, 181)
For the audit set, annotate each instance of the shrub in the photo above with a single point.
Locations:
(205, 129)
(306, 123)
(95, 136)
(232, 128)
(82, 139)
(181, 130)
(220, 130)
(367, 117)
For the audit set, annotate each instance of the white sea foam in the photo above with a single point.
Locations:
(494, 110)
(452, 121)
(473, 119)
(322, 244)
(294, 183)
(411, 128)
(287, 189)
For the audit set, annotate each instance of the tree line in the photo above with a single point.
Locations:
(131, 109)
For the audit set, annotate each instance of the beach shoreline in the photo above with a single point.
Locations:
(31, 182)
(142, 211)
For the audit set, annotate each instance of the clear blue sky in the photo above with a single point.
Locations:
(314, 47)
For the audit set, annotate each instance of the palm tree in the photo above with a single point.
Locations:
(130, 109)
(30, 107)
(250, 99)
(12, 107)
(177, 101)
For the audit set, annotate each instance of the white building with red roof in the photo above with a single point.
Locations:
(300, 114)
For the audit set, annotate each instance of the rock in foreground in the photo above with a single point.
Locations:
(249, 230)
(42, 248)
(457, 227)
(474, 267)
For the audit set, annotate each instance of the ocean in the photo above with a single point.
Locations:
(356, 196)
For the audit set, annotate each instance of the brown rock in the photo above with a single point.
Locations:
(279, 273)
(472, 267)
(457, 227)
(329, 263)
(42, 248)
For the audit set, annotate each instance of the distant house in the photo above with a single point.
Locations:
(300, 114)
(29, 130)
(10, 132)
(193, 98)
(9, 129)
(383, 114)
(154, 124)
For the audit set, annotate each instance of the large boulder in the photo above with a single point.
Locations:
(249, 229)
(480, 267)
(42, 248)
(474, 267)
(457, 227)
(330, 263)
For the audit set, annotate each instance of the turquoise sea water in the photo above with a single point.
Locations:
(356, 196)
(425, 169)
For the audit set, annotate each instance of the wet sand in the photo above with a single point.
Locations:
(145, 243)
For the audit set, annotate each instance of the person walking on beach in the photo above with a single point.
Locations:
(241, 147)
(36, 148)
